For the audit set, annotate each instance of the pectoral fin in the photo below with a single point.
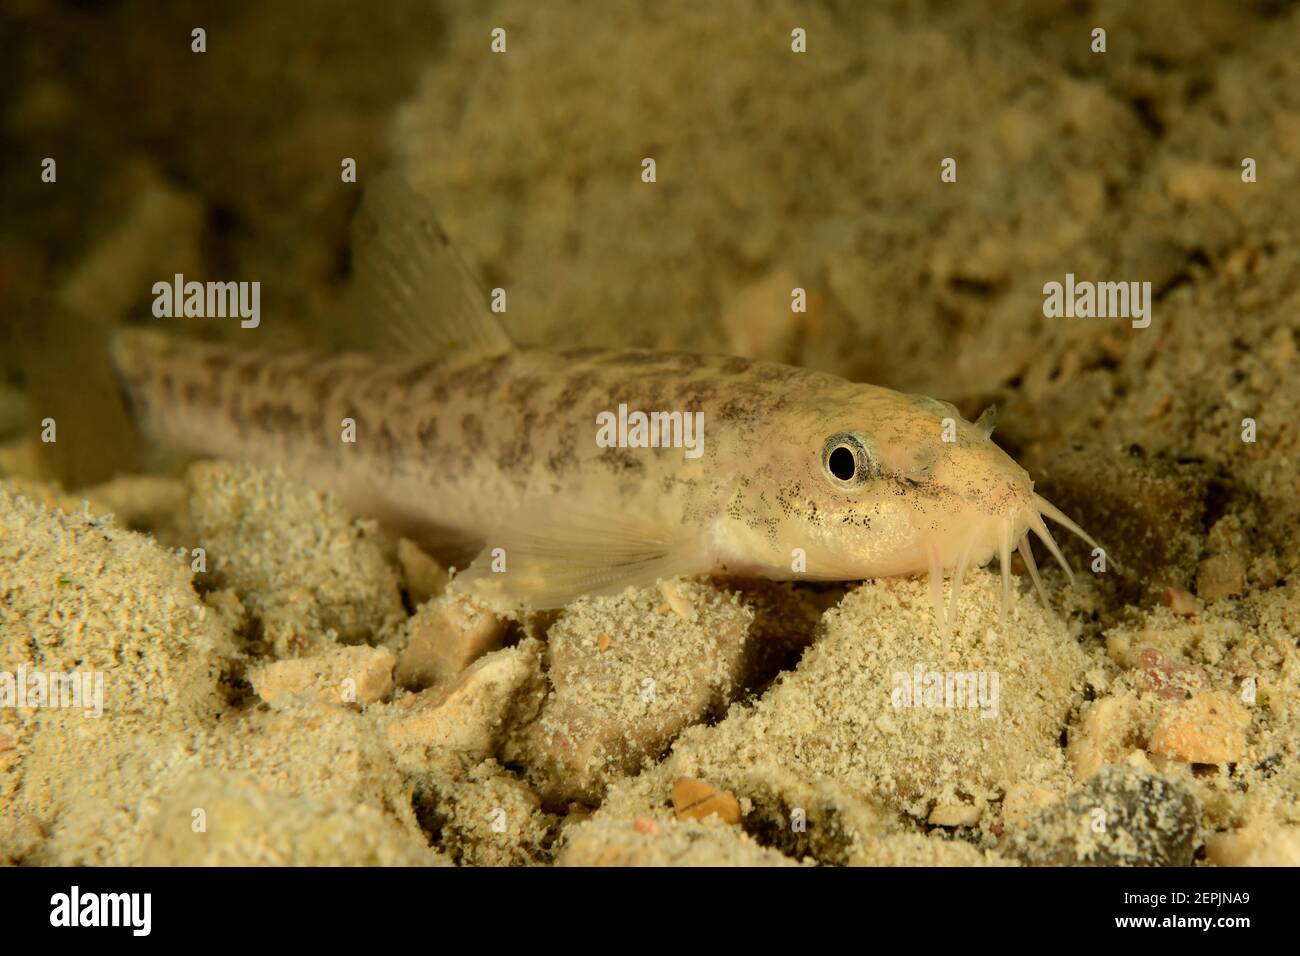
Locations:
(550, 552)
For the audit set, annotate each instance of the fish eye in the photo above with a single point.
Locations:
(842, 464)
(847, 460)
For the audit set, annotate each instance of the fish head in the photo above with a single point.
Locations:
(893, 484)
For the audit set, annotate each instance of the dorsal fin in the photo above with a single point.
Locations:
(416, 293)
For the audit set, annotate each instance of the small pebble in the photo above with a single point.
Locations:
(1220, 576)
(1182, 603)
(1209, 728)
(694, 800)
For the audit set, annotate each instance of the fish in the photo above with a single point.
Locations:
(508, 456)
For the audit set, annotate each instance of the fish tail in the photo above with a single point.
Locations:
(220, 400)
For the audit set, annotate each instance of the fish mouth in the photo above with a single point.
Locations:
(1002, 533)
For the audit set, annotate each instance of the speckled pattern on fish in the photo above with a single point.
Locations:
(470, 443)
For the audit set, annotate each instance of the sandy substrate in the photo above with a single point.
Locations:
(663, 726)
(301, 690)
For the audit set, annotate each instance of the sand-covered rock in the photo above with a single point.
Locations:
(422, 576)
(348, 675)
(151, 503)
(446, 635)
(1258, 844)
(484, 817)
(467, 719)
(828, 758)
(309, 571)
(628, 674)
(1112, 729)
(1208, 728)
(227, 820)
(78, 594)
(95, 799)
(88, 794)
(1124, 816)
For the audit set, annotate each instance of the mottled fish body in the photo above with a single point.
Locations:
(470, 443)
(443, 453)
